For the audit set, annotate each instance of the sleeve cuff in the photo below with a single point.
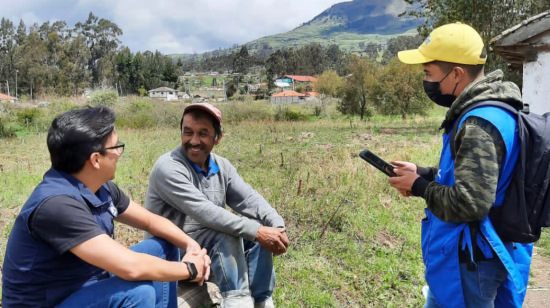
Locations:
(419, 187)
(425, 172)
(251, 230)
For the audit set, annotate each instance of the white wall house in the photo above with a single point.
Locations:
(527, 47)
(287, 97)
(164, 93)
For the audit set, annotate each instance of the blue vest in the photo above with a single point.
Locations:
(34, 273)
(440, 240)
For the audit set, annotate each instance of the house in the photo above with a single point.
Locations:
(6, 98)
(290, 81)
(287, 97)
(164, 93)
(302, 79)
(527, 48)
(283, 83)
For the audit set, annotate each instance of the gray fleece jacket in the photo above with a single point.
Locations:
(184, 196)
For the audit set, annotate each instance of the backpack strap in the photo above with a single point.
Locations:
(456, 124)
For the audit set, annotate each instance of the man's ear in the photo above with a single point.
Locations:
(217, 139)
(94, 159)
(459, 73)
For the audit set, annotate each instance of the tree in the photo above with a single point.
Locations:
(241, 61)
(102, 39)
(7, 51)
(399, 90)
(31, 61)
(489, 17)
(357, 91)
(398, 44)
(328, 85)
(21, 33)
(78, 56)
(372, 50)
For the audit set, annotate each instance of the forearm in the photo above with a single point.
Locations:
(165, 229)
(147, 267)
(248, 202)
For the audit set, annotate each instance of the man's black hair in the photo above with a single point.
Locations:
(76, 134)
(472, 70)
(199, 114)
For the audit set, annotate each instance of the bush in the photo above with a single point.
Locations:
(103, 97)
(140, 105)
(236, 112)
(28, 115)
(5, 132)
(285, 113)
(141, 119)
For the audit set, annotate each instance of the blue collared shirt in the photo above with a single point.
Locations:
(212, 168)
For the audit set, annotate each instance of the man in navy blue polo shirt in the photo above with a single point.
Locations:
(61, 251)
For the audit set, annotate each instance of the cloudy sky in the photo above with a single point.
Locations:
(175, 26)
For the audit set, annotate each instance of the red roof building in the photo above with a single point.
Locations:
(287, 97)
(301, 78)
(288, 94)
(4, 97)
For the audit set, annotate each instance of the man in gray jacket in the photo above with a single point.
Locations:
(192, 186)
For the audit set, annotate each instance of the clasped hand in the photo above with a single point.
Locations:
(274, 240)
(202, 261)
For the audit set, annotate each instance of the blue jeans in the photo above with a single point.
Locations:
(117, 292)
(241, 269)
(479, 286)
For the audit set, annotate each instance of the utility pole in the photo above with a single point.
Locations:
(224, 94)
(16, 71)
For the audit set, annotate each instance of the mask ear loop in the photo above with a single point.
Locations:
(456, 85)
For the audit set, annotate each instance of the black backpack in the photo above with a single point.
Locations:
(526, 206)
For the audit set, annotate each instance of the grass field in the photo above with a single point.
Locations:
(355, 241)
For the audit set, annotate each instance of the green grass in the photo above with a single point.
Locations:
(369, 254)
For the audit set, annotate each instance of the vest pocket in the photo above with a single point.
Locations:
(425, 237)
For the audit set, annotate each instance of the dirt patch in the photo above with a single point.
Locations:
(538, 291)
(385, 238)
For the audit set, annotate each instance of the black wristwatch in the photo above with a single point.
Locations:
(192, 270)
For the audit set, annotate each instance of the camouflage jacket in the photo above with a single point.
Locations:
(480, 152)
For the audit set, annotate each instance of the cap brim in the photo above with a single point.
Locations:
(413, 57)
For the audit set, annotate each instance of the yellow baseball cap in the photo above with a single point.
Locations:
(456, 43)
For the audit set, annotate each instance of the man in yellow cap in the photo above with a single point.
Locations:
(467, 263)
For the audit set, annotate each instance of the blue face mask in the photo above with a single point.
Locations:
(433, 90)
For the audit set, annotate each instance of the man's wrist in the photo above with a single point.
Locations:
(191, 269)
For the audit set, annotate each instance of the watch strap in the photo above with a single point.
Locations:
(192, 269)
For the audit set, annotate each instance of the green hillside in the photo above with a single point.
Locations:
(345, 24)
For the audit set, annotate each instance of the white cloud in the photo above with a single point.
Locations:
(177, 26)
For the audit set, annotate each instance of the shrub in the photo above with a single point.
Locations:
(103, 97)
(235, 112)
(285, 113)
(140, 105)
(5, 131)
(28, 115)
(141, 119)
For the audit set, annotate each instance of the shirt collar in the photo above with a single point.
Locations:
(212, 167)
(102, 196)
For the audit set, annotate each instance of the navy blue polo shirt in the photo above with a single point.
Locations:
(39, 270)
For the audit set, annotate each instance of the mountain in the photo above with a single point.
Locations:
(345, 24)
